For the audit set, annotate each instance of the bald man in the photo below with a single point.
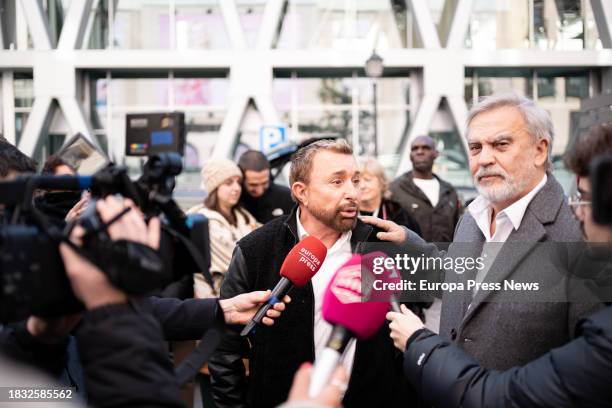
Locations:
(431, 201)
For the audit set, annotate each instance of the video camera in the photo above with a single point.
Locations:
(32, 276)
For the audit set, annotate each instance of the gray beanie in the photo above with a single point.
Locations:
(216, 171)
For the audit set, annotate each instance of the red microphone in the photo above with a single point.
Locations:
(350, 316)
(300, 265)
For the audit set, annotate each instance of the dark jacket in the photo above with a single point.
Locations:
(523, 327)
(277, 352)
(437, 223)
(125, 359)
(575, 375)
(122, 349)
(276, 201)
(391, 210)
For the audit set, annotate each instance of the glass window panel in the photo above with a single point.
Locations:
(325, 122)
(97, 26)
(559, 24)
(199, 25)
(251, 16)
(577, 87)
(101, 104)
(339, 24)
(200, 91)
(142, 24)
(498, 24)
(139, 92)
(24, 92)
(493, 85)
(312, 91)
(546, 87)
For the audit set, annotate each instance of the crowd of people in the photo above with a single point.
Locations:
(480, 350)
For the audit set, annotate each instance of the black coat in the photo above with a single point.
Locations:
(275, 202)
(578, 374)
(277, 352)
(391, 210)
(122, 349)
(437, 223)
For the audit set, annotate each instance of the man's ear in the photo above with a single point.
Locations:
(300, 192)
(436, 154)
(542, 147)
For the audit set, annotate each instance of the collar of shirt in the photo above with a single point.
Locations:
(481, 210)
(302, 233)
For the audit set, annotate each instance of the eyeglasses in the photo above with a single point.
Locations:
(578, 200)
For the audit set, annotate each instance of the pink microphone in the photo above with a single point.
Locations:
(350, 316)
(380, 267)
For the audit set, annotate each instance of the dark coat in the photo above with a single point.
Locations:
(574, 375)
(275, 202)
(277, 352)
(437, 223)
(500, 332)
(122, 349)
(394, 212)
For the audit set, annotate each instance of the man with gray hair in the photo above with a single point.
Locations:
(520, 205)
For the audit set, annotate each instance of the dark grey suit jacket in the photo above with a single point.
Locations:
(501, 332)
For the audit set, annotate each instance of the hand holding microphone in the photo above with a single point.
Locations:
(403, 325)
(300, 265)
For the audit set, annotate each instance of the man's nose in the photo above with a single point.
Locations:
(486, 157)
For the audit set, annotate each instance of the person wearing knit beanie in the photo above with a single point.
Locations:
(216, 171)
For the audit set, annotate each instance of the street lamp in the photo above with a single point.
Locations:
(374, 69)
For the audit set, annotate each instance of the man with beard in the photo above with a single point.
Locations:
(263, 198)
(325, 184)
(431, 201)
(520, 205)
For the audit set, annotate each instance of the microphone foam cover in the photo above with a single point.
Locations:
(343, 305)
(379, 266)
(303, 261)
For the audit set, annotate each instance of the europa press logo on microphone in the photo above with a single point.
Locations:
(347, 284)
(309, 259)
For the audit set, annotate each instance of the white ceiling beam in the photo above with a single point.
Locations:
(229, 12)
(602, 11)
(425, 24)
(75, 23)
(271, 21)
(460, 24)
(38, 24)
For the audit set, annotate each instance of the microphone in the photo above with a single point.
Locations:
(300, 265)
(350, 316)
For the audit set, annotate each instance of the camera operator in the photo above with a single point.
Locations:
(120, 339)
(576, 374)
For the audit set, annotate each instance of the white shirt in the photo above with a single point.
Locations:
(506, 221)
(337, 255)
(430, 187)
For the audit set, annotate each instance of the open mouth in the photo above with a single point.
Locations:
(349, 212)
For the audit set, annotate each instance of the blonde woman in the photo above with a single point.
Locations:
(374, 195)
(227, 221)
